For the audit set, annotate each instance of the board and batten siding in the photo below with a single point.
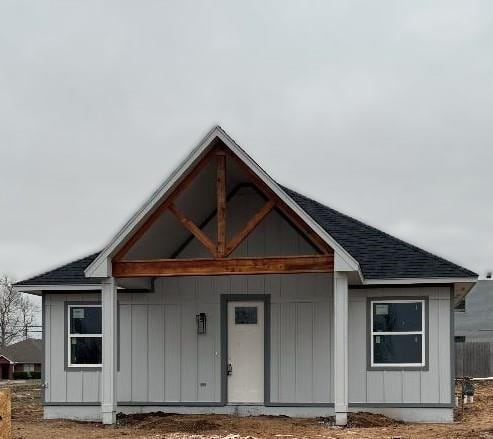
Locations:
(432, 386)
(162, 359)
(67, 386)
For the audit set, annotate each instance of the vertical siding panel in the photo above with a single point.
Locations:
(74, 386)
(274, 352)
(59, 376)
(411, 386)
(156, 353)
(430, 379)
(188, 353)
(357, 352)
(172, 356)
(206, 348)
(91, 386)
(392, 382)
(374, 387)
(139, 353)
(272, 234)
(47, 347)
(444, 349)
(304, 353)
(125, 373)
(322, 366)
(287, 381)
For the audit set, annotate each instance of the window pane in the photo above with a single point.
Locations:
(389, 317)
(85, 320)
(397, 349)
(85, 350)
(245, 315)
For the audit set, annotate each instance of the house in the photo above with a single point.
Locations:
(23, 356)
(474, 332)
(229, 293)
(474, 314)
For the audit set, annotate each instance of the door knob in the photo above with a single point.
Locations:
(229, 371)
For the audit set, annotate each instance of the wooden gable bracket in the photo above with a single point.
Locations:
(222, 249)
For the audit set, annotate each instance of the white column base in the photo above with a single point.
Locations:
(109, 418)
(341, 418)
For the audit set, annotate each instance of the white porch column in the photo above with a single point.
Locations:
(109, 321)
(341, 303)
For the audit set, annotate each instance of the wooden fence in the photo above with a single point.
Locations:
(5, 414)
(474, 359)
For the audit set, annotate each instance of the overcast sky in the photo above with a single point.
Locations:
(382, 110)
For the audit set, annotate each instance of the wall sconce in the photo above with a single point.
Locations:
(201, 323)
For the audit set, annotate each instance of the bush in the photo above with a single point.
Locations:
(27, 375)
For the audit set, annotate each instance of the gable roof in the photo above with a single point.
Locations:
(25, 351)
(380, 255)
(373, 254)
(101, 266)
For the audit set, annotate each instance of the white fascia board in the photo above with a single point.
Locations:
(346, 261)
(410, 281)
(38, 289)
(101, 266)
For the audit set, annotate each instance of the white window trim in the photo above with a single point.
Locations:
(70, 336)
(397, 333)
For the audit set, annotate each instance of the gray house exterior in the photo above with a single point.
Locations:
(474, 315)
(300, 310)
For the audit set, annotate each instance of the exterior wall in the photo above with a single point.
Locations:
(475, 322)
(430, 387)
(162, 360)
(66, 386)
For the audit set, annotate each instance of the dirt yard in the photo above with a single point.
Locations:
(27, 423)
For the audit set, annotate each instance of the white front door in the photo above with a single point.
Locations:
(246, 352)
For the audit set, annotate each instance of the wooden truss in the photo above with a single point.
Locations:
(220, 263)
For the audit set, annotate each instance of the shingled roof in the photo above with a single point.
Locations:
(68, 274)
(380, 255)
(25, 351)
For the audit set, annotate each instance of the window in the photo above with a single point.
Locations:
(397, 333)
(246, 315)
(28, 367)
(84, 335)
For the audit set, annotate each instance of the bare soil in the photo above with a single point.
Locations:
(27, 423)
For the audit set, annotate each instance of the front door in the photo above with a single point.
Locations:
(246, 352)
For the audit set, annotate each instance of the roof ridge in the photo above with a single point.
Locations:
(361, 223)
(57, 267)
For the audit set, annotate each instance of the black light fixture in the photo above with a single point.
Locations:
(201, 323)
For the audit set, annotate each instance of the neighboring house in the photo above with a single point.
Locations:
(228, 293)
(23, 356)
(474, 314)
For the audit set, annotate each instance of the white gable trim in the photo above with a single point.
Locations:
(101, 266)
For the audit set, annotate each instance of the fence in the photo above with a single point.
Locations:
(5, 414)
(474, 359)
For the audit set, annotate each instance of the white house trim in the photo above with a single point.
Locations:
(101, 266)
(410, 281)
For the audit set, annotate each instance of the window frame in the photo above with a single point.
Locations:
(423, 365)
(70, 336)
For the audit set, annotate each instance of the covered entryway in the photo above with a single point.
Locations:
(221, 217)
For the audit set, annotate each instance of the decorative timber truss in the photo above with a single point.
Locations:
(220, 261)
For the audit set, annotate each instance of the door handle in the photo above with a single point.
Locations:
(229, 370)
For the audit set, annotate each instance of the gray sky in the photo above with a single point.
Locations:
(382, 110)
